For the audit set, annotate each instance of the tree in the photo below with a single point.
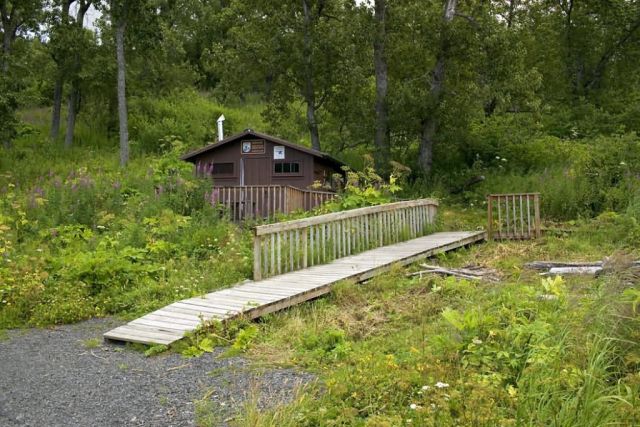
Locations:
(430, 120)
(15, 16)
(381, 109)
(119, 17)
(292, 50)
(58, 45)
(73, 104)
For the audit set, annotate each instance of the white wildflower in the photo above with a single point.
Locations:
(442, 385)
(413, 406)
(426, 387)
(476, 341)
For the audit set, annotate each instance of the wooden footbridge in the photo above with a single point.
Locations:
(296, 261)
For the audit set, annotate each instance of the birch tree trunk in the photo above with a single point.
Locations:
(309, 89)
(381, 138)
(7, 38)
(59, 84)
(72, 111)
(430, 123)
(74, 90)
(122, 96)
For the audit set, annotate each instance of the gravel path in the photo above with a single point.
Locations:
(50, 377)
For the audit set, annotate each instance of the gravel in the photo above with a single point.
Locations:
(56, 377)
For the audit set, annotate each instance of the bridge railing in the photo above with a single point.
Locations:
(294, 245)
(513, 216)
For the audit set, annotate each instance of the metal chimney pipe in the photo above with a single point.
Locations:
(220, 128)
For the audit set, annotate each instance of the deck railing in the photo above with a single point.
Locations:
(265, 201)
(513, 216)
(293, 245)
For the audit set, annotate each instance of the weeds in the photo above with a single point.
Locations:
(92, 343)
(435, 352)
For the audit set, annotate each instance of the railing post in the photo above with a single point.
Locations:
(305, 250)
(489, 217)
(257, 257)
(536, 206)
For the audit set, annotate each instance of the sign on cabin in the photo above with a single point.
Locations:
(278, 152)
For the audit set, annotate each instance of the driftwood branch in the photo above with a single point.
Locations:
(546, 265)
(557, 267)
(469, 273)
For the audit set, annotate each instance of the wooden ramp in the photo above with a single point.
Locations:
(257, 298)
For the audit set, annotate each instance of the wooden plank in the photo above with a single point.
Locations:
(120, 335)
(170, 311)
(216, 302)
(269, 297)
(144, 332)
(206, 306)
(229, 299)
(210, 312)
(287, 287)
(166, 317)
(241, 296)
(236, 292)
(162, 325)
(260, 289)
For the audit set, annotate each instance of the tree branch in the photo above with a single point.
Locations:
(470, 19)
(598, 72)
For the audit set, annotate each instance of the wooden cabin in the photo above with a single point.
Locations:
(255, 174)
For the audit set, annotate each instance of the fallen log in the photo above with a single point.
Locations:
(546, 265)
(572, 270)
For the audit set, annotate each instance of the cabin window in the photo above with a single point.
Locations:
(286, 167)
(222, 169)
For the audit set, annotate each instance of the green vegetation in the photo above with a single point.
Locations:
(83, 241)
(441, 351)
(92, 343)
(99, 217)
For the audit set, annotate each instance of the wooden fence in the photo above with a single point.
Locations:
(293, 245)
(513, 216)
(265, 201)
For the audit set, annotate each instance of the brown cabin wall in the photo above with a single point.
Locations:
(259, 168)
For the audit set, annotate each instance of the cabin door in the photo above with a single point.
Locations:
(255, 171)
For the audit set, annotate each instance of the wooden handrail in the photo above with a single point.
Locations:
(335, 216)
(293, 245)
(518, 216)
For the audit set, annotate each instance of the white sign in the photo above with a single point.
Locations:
(278, 152)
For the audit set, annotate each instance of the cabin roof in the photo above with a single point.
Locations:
(190, 157)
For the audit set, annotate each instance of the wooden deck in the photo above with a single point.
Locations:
(257, 298)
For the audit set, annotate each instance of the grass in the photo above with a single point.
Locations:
(438, 351)
(92, 343)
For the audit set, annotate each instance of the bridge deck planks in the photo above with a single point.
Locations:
(255, 299)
